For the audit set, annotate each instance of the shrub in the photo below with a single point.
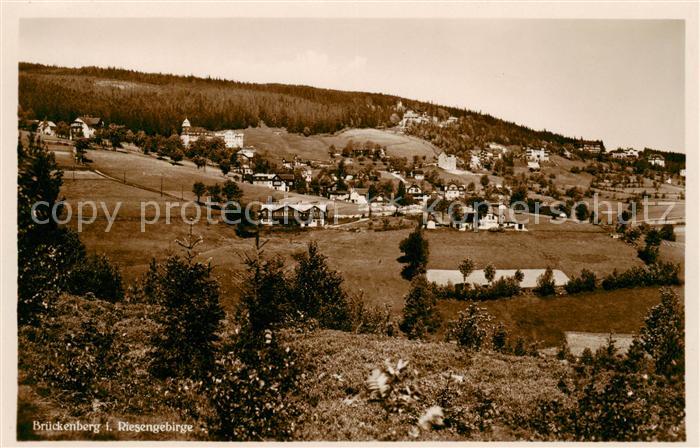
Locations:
(545, 283)
(661, 274)
(666, 232)
(499, 339)
(471, 328)
(419, 313)
(369, 319)
(649, 254)
(585, 282)
(96, 275)
(663, 335)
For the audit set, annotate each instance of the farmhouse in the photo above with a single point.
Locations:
(447, 162)
(656, 160)
(232, 139)
(301, 214)
(271, 180)
(85, 127)
(537, 154)
(47, 128)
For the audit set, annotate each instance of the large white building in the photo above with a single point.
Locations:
(190, 134)
(537, 154)
(447, 162)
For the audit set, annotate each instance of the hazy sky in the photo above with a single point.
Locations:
(621, 81)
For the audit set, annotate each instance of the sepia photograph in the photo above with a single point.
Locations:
(329, 224)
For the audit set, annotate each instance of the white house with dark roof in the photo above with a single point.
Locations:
(85, 127)
(47, 128)
(301, 214)
(657, 160)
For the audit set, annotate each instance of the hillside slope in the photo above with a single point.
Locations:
(157, 103)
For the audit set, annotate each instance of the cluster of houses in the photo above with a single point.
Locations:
(191, 134)
(411, 118)
(494, 219)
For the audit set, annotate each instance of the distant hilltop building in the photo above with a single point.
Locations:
(591, 146)
(656, 160)
(410, 118)
(537, 154)
(190, 134)
(447, 162)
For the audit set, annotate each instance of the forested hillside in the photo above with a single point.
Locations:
(157, 103)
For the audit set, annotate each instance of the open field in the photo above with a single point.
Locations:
(279, 144)
(366, 258)
(546, 319)
(175, 181)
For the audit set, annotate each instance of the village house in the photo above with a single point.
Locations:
(447, 162)
(533, 166)
(339, 195)
(418, 175)
(85, 127)
(475, 162)
(628, 153)
(497, 147)
(273, 181)
(452, 191)
(301, 214)
(656, 160)
(190, 134)
(47, 128)
(590, 147)
(537, 154)
(451, 121)
(417, 193)
(358, 196)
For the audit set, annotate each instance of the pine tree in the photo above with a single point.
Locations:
(415, 249)
(419, 312)
(317, 290)
(189, 316)
(265, 299)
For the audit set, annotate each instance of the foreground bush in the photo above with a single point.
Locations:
(98, 276)
(251, 390)
(471, 328)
